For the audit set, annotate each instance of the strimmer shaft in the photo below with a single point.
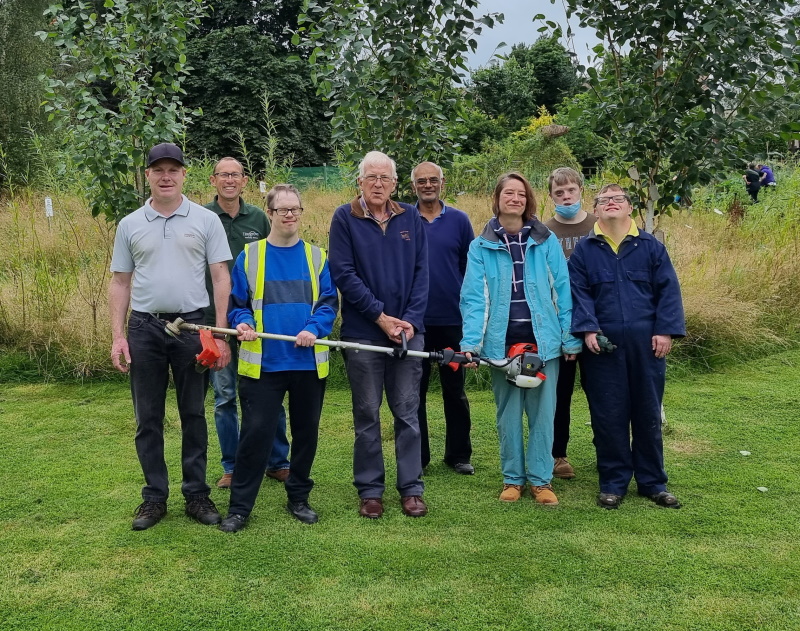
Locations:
(180, 325)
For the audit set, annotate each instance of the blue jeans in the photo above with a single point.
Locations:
(534, 464)
(153, 355)
(369, 375)
(226, 418)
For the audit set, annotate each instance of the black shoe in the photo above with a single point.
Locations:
(202, 509)
(233, 523)
(609, 500)
(303, 512)
(665, 499)
(148, 514)
(464, 468)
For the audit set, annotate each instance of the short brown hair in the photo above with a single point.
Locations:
(228, 159)
(562, 176)
(530, 200)
(281, 188)
(612, 187)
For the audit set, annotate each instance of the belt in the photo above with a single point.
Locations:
(190, 315)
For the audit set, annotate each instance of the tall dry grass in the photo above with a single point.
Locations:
(740, 283)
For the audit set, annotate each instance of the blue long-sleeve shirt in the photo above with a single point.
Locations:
(379, 270)
(287, 308)
(449, 236)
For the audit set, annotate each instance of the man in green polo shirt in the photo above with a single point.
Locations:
(243, 223)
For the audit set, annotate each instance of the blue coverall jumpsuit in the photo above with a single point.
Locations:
(631, 296)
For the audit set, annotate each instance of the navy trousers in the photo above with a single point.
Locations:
(625, 389)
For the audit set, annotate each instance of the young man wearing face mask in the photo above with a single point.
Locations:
(570, 224)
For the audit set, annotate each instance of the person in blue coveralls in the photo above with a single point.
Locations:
(625, 288)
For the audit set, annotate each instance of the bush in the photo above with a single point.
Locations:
(534, 157)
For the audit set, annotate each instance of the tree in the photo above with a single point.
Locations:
(239, 54)
(543, 73)
(22, 59)
(128, 63)
(680, 82)
(387, 68)
(509, 91)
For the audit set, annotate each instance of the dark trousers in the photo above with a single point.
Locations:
(457, 445)
(261, 407)
(624, 390)
(153, 355)
(566, 385)
(369, 374)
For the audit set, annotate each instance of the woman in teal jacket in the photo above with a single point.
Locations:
(516, 289)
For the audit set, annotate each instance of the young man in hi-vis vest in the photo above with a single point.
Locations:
(281, 285)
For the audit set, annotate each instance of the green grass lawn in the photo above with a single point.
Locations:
(730, 559)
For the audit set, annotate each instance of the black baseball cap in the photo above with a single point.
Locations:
(165, 150)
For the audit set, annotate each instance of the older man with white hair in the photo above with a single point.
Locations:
(378, 257)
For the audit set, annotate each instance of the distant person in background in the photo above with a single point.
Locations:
(516, 290)
(624, 285)
(570, 224)
(752, 181)
(449, 234)
(767, 176)
(243, 224)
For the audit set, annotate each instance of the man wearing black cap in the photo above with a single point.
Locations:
(158, 266)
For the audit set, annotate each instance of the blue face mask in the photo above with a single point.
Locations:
(568, 212)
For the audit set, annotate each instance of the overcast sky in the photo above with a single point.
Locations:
(518, 27)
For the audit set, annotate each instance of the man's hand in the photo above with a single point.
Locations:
(246, 333)
(120, 348)
(662, 344)
(305, 338)
(590, 338)
(224, 355)
(393, 326)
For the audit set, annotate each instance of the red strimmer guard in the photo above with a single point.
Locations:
(210, 353)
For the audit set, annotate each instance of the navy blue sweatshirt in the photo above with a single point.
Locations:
(376, 271)
(449, 236)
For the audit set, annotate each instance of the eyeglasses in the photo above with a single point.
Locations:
(296, 211)
(618, 199)
(230, 176)
(384, 179)
(422, 181)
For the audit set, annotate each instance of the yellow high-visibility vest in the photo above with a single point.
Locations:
(255, 261)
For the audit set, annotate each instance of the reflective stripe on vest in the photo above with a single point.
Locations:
(255, 260)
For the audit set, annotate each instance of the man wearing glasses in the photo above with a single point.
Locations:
(281, 285)
(379, 262)
(243, 223)
(449, 233)
(624, 285)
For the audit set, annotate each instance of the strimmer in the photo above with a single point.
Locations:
(522, 367)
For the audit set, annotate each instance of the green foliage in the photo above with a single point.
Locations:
(586, 139)
(387, 69)
(127, 63)
(510, 90)
(535, 157)
(679, 82)
(22, 58)
(473, 128)
(540, 74)
(232, 70)
(268, 18)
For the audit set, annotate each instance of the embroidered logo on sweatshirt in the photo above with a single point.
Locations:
(405, 235)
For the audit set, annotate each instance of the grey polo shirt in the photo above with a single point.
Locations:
(168, 256)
